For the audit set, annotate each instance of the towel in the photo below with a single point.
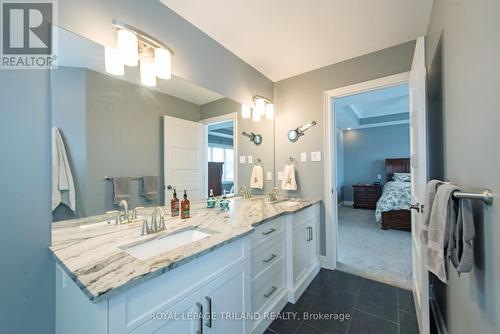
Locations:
(257, 178)
(432, 186)
(121, 189)
(460, 248)
(63, 185)
(149, 187)
(442, 216)
(289, 182)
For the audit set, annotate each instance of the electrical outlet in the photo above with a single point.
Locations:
(242, 159)
(280, 176)
(250, 159)
(379, 177)
(303, 157)
(316, 156)
(269, 176)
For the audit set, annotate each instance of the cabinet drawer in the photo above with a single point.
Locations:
(267, 286)
(267, 255)
(267, 231)
(366, 195)
(305, 214)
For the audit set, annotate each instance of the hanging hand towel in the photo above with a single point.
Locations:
(460, 248)
(442, 220)
(121, 189)
(257, 178)
(63, 185)
(149, 187)
(289, 182)
(431, 189)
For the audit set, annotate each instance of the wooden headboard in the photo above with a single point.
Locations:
(396, 166)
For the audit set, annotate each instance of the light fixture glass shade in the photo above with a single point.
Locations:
(148, 75)
(245, 111)
(260, 106)
(163, 63)
(128, 47)
(256, 114)
(113, 62)
(269, 111)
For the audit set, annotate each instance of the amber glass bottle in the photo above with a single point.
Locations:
(174, 205)
(185, 206)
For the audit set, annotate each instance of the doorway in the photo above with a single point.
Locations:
(221, 150)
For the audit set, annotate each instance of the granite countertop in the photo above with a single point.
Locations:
(92, 256)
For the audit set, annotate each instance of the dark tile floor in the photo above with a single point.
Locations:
(356, 305)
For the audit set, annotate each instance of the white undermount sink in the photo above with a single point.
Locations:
(150, 249)
(98, 224)
(286, 202)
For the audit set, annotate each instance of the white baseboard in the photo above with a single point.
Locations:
(348, 203)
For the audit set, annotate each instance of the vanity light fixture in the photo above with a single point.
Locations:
(135, 46)
(262, 107)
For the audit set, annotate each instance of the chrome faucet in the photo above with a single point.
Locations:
(124, 217)
(245, 192)
(157, 222)
(273, 195)
(136, 212)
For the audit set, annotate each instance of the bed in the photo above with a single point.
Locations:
(393, 207)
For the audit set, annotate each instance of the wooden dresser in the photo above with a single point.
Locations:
(366, 196)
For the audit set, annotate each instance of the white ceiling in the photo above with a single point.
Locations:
(283, 38)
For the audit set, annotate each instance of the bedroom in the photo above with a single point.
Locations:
(373, 188)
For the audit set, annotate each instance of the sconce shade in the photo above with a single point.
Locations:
(256, 114)
(163, 63)
(269, 111)
(260, 106)
(113, 62)
(148, 75)
(128, 47)
(245, 111)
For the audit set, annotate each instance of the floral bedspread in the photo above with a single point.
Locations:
(396, 196)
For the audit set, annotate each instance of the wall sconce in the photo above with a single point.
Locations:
(262, 107)
(135, 46)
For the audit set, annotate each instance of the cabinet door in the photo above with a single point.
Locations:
(312, 243)
(228, 295)
(184, 317)
(300, 251)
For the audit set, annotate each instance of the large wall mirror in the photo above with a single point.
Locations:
(125, 140)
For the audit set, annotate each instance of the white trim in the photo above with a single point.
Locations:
(329, 144)
(376, 125)
(219, 119)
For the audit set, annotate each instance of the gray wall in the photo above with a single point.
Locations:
(198, 58)
(264, 151)
(365, 151)
(471, 81)
(27, 289)
(112, 128)
(299, 100)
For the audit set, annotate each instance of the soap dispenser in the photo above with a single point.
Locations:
(224, 203)
(174, 205)
(211, 200)
(185, 207)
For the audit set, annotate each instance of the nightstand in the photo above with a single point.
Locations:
(366, 195)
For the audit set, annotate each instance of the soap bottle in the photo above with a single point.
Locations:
(211, 200)
(185, 207)
(224, 202)
(174, 205)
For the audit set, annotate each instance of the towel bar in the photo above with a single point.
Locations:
(132, 178)
(485, 195)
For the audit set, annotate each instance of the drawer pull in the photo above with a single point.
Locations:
(200, 328)
(273, 289)
(208, 323)
(269, 259)
(269, 232)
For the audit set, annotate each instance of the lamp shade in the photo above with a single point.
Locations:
(113, 62)
(245, 111)
(269, 111)
(260, 106)
(256, 115)
(163, 63)
(128, 48)
(148, 75)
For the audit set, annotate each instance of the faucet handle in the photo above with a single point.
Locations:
(135, 211)
(117, 215)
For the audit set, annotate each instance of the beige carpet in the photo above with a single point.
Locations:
(366, 250)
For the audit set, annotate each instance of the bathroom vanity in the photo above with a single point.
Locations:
(233, 267)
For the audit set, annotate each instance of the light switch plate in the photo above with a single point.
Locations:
(280, 176)
(303, 157)
(250, 159)
(242, 159)
(315, 156)
(269, 176)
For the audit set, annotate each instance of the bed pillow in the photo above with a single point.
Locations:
(402, 177)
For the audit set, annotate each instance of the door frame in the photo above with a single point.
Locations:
(330, 141)
(219, 119)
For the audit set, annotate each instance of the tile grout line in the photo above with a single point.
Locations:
(356, 297)
(397, 304)
(376, 316)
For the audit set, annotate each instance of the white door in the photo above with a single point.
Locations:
(183, 157)
(418, 151)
